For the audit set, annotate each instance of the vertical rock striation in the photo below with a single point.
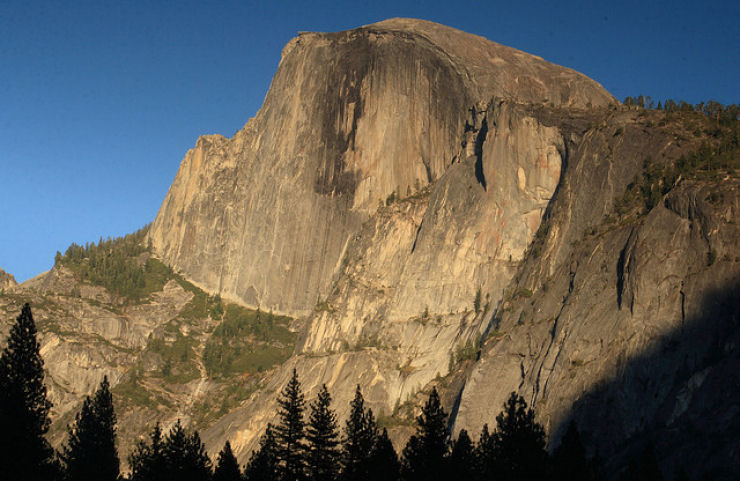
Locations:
(351, 119)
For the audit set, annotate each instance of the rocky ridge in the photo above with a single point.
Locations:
(154, 350)
(7, 281)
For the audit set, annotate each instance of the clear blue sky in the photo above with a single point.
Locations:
(99, 100)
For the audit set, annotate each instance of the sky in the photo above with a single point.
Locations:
(100, 100)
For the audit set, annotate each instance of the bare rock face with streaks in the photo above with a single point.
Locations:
(351, 119)
(390, 175)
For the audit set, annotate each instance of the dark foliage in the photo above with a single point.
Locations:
(289, 434)
(569, 461)
(360, 432)
(227, 468)
(643, 468)
(383, 462)
(517, 447)
(424, 457)
(322, 460)
(185, 455)
(90, 453)
(462, 462)
(178, 456)
(263, 464)
(483, 453)
(24, 408)
(147, 460)
(245, 340)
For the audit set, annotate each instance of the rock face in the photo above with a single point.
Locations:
(7, 280)
(389, 176)
(397, 170)
(86, 336)
(631, 329)
(351, 119)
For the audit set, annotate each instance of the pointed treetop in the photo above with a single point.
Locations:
(227, 467)
(24, 407)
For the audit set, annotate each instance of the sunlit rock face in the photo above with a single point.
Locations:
(350, 119)
(389, 176)
(6, 280)
(393, 172)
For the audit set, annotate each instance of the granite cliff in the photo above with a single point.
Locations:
(351, 119)
(433, 209)
(7, 280)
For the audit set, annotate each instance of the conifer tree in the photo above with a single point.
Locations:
(289, 434)
(90, 453)
(227, 467)
(185, 456)
(24, 408)
(360, 432)
(518, 443)
(147, 460)
(426, 457)
(484, 455)
(569, 461)
(263, 464)
(383, 461)
(462, 457)
(322, 436)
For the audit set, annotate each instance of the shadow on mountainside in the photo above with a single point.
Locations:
(681, 398)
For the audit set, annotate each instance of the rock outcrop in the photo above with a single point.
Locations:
(351, 119)
(6, 280)
(84, 335)
(397, 170)
(390, 175)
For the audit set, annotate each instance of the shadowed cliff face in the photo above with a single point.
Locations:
(630, 328)
(677, 397)
(350, 119)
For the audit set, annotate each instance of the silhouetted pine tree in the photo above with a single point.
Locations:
(383, 461)
(360, 432)
(147, 460)
(185, 456)
(90, 453)
(227, 468)
(462, 457)
(289, 433)
(263, 464)
(569, 461)
(518, 443)
(484, 455)
(424, 457)
(24, 409)
(322, 461)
